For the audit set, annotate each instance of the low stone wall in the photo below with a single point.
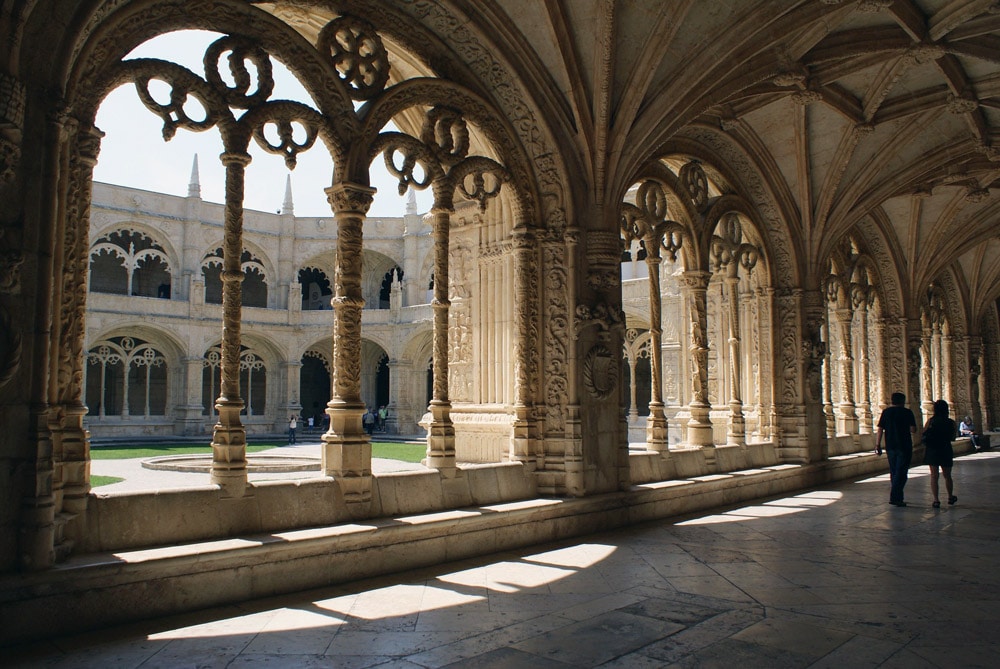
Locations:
(104, 588)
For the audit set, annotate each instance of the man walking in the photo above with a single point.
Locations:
(898, 425)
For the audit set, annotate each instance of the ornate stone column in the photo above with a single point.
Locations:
(71, 442)
(947, 343)
(829, 418)
(848, 416)
(293, 401)
(347, 451)
(695, 286)
(191, 410)
(656, 422)
(814, 354)
(916, 376)
(229, 439)
(37, 531)
(525, 337)
(926, 364)
(884, 368)
(864, 383)
(736, 434)
(441, 431)
(975, 346)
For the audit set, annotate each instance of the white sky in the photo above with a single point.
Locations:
(134, 154)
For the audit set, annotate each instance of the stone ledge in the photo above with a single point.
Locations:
(98, 590)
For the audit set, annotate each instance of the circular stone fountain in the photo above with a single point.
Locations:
(256, 463)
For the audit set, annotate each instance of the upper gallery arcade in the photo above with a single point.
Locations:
(666, 240)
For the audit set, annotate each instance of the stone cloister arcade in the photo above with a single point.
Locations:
(642, 285)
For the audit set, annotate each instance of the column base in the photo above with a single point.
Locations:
(347, 454)
(656, 430)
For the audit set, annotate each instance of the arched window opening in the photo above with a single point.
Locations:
(253, 381)
(314, 385)
(316, 289)
(126, 377)
(128, 262)
(254, 286)
(385, 292)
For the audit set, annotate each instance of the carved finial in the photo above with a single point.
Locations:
(194, 185)
(806, 97)
(411, 203)
(288, 206)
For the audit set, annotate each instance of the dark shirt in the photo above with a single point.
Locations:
(896, 422)
(939, 433)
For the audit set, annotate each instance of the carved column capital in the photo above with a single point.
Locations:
(348, 198)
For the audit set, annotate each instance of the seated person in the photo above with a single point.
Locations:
(967, 429)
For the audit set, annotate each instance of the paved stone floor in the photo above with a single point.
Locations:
(832, 577)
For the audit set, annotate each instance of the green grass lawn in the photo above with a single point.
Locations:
(98, 481)
(380, 449)
(153, 450)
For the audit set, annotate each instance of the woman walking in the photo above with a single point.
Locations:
(938, 435)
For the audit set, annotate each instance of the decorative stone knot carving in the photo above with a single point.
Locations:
(924, 53)
(358, 54)
(977, 195)
(600, 372)
(10, 268)
(961, 105)
(873, 6)
(606, 317)
(729, 123)
(693, 178)
(862, 129)
(786, 79)
(992, 153)
(806, 97)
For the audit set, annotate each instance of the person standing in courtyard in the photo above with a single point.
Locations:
(897, 425)
(938, 435)
(293, 423)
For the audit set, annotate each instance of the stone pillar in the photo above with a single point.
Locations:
(864, 382)
(699, 427)
(884, 367)
(37, 531)
(191, 419)
(814, 355)
(947, 343)
(656, 422)
(848, 416)
(71, 442)
(440, 430)
(229, 438)
(926, 364)
(916, 376)
(975, 347)
(829, 416)
(736, 434)
(347, 450)
(525, 352)
(293, 400)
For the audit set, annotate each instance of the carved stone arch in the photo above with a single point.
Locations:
(118, 27)
(772, 208)
(164, 340)
(420, 346)
(256, 253)
(477, 111)
(956, 301)
(889, 285)
(155, 234)
(734, 204)
(679, 207)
